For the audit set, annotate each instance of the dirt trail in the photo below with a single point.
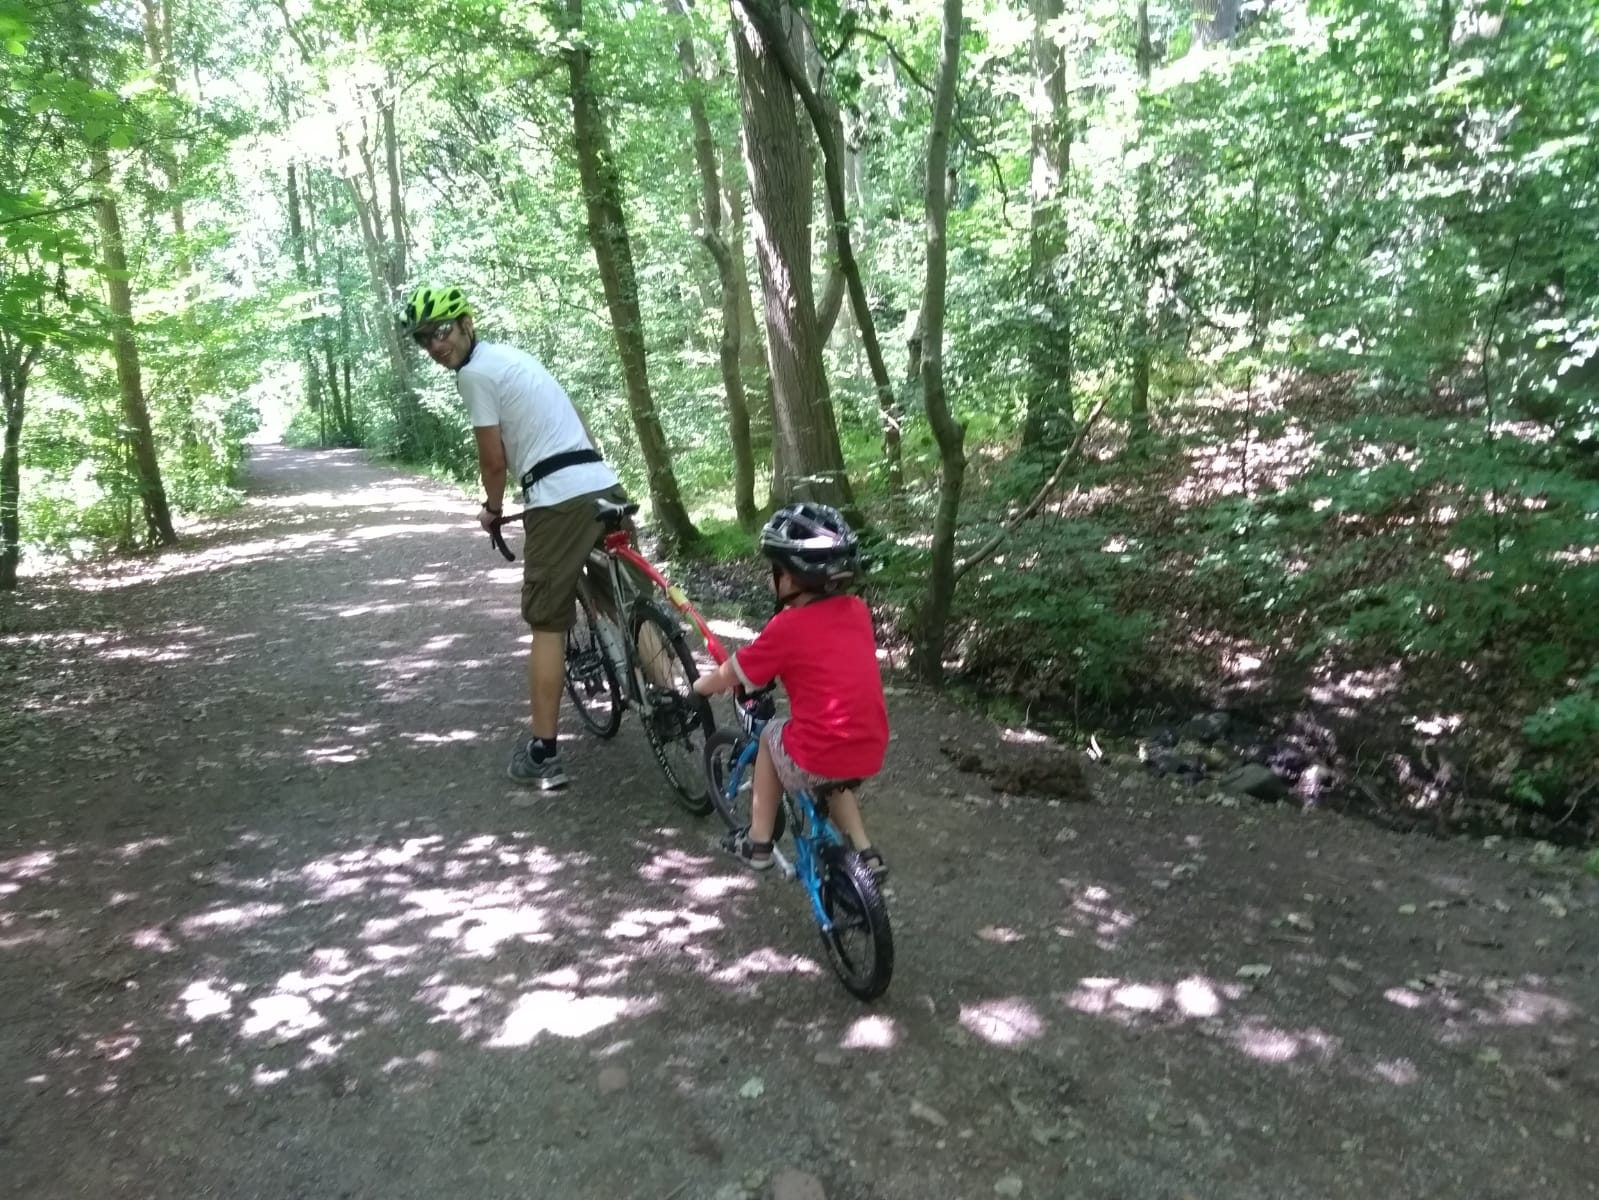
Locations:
(273, 924)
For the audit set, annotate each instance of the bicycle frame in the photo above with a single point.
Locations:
(617, 547)
(811, 829)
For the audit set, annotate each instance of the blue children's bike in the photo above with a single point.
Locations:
(845, 897)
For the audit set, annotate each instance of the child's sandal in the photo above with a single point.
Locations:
(757, 856)
(873, 858)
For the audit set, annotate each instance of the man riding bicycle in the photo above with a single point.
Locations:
(527, 430)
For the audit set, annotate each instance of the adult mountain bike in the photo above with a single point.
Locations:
(627, 649)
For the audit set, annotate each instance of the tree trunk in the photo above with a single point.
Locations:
(753, 361)
(15, 366)
(808, 461)
(1142, 331)
(951, 435)
(391, 160)
(330, 336)
(1215, 21)
(158, 44)
(738, 415)
(141, 440)
(304, 332)
(1049, 395)
(407, 405)
(834, 285)
(752, 353)
(771, 24)
(613, 253)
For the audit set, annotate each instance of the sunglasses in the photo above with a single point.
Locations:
(426, 337)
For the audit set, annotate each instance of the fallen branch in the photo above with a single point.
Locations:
(1582, 792)
(1037, 501)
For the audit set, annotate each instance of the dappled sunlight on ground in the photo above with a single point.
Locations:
(1345, 692)
(1092, 910)
(1239, 660)
(1010, 1021)
(498, 939)
(1195, 997)
(1268, 1043)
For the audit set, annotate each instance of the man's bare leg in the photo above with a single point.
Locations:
(546, 669)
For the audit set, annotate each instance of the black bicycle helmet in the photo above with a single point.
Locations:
(814, 544)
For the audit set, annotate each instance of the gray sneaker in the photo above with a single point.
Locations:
(548, 775)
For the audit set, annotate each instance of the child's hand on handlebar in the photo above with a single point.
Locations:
(718, 681)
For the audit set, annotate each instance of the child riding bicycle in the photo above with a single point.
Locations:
(821, 647)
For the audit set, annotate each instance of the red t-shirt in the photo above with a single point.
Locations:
(825, 655)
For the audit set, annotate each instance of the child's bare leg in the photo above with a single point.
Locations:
(846, 811)
(768, 792)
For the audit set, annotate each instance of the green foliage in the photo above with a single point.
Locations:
(1570, 724)
(1359, 248)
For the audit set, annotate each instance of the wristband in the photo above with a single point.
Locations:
(491, 508)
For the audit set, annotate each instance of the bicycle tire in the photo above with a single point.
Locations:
(590, 678)
(676, 720)
(722, 749)
(855, 905)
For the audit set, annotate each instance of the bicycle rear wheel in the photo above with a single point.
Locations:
(860, 944)
(590, 679)
(676, 721)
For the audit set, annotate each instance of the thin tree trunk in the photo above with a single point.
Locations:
(407, 406)
(807, 459)
(141, 440)
(158, 46)
(738, 415)
(834, 285)
(391, 159)
(753, 362)
(331, 337)
(15, 366)
(950, 434)
(158, 43)
(831, 304)
(1446, 39)
(304, 333)
(752, 353)
(771, 25)
(1049, 396)
(1142, 325)
(613, 254)
(1215, 21)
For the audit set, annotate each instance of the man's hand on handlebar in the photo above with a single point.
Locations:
(492, 523)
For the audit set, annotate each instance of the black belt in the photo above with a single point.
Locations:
(558, 462)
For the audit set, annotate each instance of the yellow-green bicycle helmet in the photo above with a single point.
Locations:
(430, 305)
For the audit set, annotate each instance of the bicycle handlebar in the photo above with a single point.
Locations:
(498, 539)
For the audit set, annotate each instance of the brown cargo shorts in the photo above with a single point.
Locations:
(554, 553)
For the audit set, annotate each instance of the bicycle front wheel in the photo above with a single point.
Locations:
(722, 751)
(676, 721)
(860, 944)
(590, 679)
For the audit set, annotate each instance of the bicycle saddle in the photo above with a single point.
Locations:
(612, 515)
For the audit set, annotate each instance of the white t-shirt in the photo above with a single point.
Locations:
(504, 386)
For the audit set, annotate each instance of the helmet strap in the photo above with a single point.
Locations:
(782, 601)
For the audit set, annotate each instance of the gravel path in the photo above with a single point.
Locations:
(273, 924)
